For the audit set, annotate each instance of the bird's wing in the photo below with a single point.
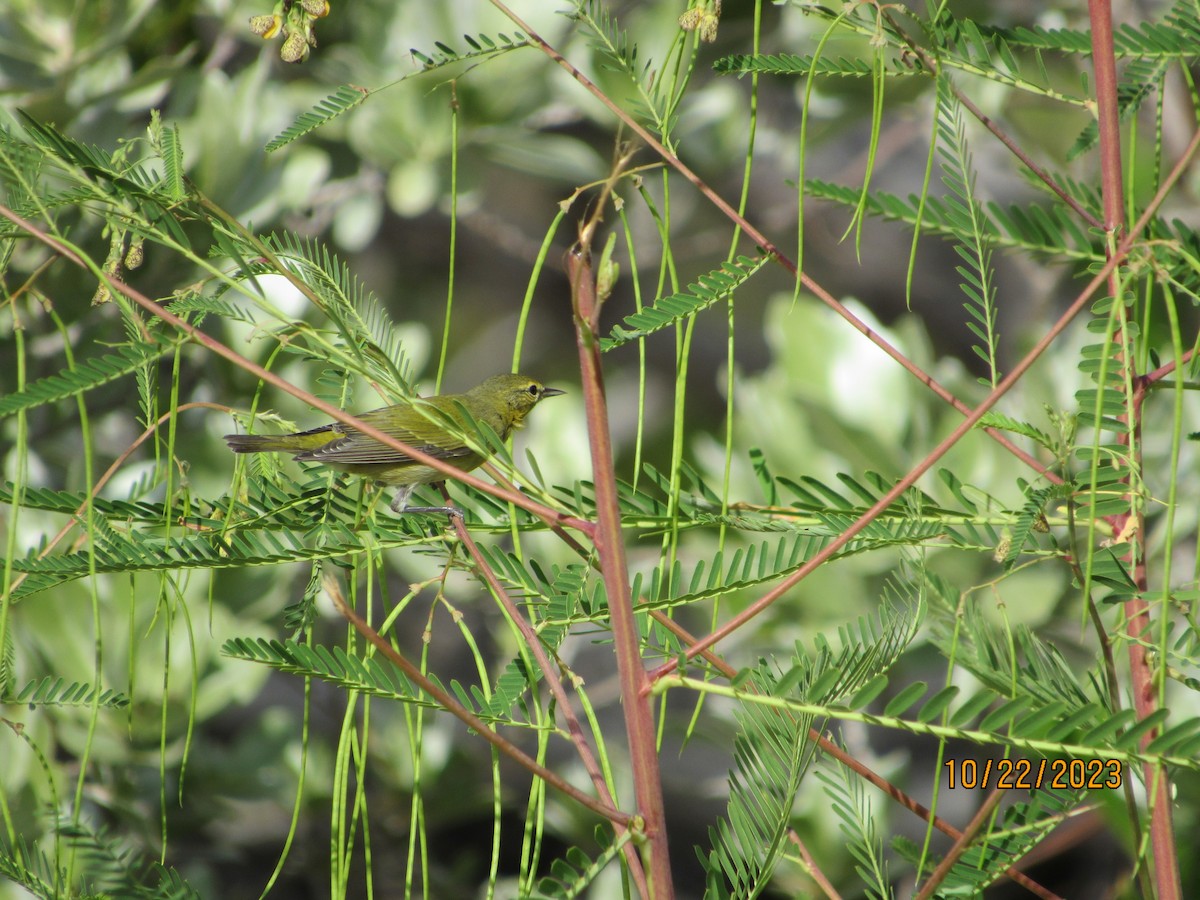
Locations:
(358, 450)
(351, 447)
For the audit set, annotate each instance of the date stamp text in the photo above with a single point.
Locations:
(1032, 775)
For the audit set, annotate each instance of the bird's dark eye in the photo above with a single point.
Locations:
(533, 390)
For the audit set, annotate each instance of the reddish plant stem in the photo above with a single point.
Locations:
(448, 702)
(864, 771)
(1137, 611)
(931, 64)
(767, 245)
(94, 490)
(1105, 64)
(544, 513)
(1027, 161)
(574, 728)
(610, 549)
(551, 517)
(941, 449)
(810, 866)
(899, 488)
(961, 845)
(1166, 369)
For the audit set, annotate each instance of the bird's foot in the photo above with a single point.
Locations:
(451, 511)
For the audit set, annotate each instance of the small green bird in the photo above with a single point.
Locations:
(502, 402)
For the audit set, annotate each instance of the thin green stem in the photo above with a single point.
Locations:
(451, 705)
(20, 473)
(910, 726)
(89, 520)
(453, 249)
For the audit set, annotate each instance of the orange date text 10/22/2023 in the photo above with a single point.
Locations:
(1031, 775)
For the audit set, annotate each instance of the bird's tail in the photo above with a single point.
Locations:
(263, 443)
(288, 443)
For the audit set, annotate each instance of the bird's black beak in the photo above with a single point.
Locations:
(551, 392)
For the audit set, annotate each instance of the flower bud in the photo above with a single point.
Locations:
(266, 27)
(295, 48)
(606, 279)
(136, 254)
(689, 19)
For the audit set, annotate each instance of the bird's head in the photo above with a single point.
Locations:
(514, 396)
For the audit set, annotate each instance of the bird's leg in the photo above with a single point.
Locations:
(400, 501)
